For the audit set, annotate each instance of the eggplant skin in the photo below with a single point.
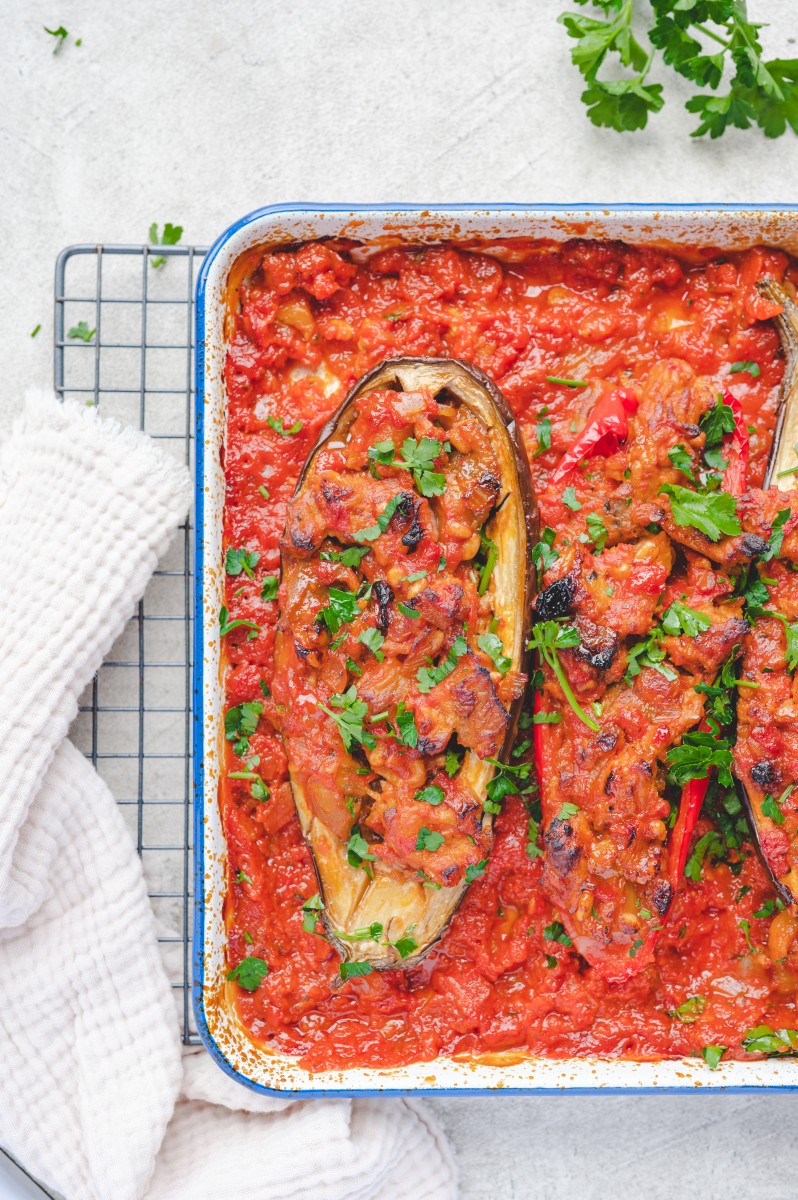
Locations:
(783, 891)
(400, 904)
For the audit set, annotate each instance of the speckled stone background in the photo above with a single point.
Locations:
(196, 113)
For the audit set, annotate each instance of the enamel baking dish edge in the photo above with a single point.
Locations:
(728, 227)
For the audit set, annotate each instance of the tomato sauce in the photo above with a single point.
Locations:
(307, 323)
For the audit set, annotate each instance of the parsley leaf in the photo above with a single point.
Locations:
(680, 618)
(350, 719)
(81, 332)
(776, 538)
(428, 677)
(567, 810)
(310, 912)
(240, 723)
(405, 945)
(358, 853)
(682, 461)
(60, 34)
(383, 520)
(429, 839)
(689, 1010)
(227, 626)
(542, 553)
(751, 367)
(712, 1055)
(170, 237)
(713, 514)
(556, 933)
(373, 639)
(475, 870)
(250, 973)
(711, 845)
(717, 422)
(406, 724)
(548, 638)
(276, 423)
(696, 755)
(597, 530)
(543, 435)
(351, 970)
(237, 561)
(342, 608)
(351, 557)
(765, 1040)
(431, 794)
(269, 588)
(419, 457)
(493, 646)
(649, 653)
(569, 499)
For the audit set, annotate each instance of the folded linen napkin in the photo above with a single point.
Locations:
(94, 1098)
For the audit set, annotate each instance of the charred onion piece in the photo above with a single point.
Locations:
(390, 896)
(764, 778)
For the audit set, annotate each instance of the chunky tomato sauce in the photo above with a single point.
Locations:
(307, 324)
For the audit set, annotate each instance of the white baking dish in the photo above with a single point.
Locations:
(226, 1039)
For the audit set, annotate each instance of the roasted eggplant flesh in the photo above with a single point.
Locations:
(400, 653)
(766, 752)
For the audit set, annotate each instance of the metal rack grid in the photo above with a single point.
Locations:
(134, 720)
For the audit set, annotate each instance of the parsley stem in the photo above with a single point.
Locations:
(715, 38)
(552, 658)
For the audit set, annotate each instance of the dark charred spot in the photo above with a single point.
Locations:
(489, 483)
(591, 575)
(427, 745)
(608, 783)
(691, 431)
(450, 872)
(645, 768)
(414, 533)
(751, 545)
(301, 541)
(302, 651)
(607, 740)
(631, 836)
(598, 645)
(661, 896)
(556, 599)
(764, 774)
(564, 851)
(447, 396)
(384, 594)
(333, 493)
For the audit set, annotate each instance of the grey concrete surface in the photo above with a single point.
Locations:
(196, 113)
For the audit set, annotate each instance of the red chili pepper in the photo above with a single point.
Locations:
(607, 428)
(735, 477)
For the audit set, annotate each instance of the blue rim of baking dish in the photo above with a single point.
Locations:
(198, 957)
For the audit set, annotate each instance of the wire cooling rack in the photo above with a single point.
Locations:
(134, 721)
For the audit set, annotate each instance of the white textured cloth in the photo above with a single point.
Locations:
(94, 1098)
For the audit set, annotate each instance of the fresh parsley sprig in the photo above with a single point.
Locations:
(417, 457)
(705, 41)
(548, 638)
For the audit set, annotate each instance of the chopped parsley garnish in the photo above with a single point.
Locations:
(453, 763)
(406, 725)
(358, 853)
(276, 423)
(711, 845)
(745, 925)
(250, 973)
(371, 533)
(567, 810)
(351, 970)
(428, 677)
(350, 557)
(170, 237)
(556, 933)
(350, 719)
(493, 646)
(542, 553)
(342, 607)
(60, 34)
(765, 1040)
(415, 577)
(533, 850)
(237, 561)
(506, 782)
(682, 461)
(712, 1055)
(264, 491)
(431, 794)
(746, 365)
(771, 807)
(597, 530)
(373, 639)
(571, 383)
(551, 961)
(695, 757)
(649, 653)
(569, 499)
(475, 870)
(776, 538)
(407, 611)
(769, 908)
(227, 626)
(680, 618)
(717, 422)
(712, 513)
(310, 912)
(548, 638)
(546, 718)
(689, 1010)
(405, 946)
(418, 457)
(269, 589)
(242, 877)
(240, 723)
(81, 332)
(35, 330)
(543, 435)
(429, 839)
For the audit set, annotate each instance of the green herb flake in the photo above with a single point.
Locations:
(569, 499)
(751, 368)
(429, 839)
(712, 1055)
(571, 383)
(556, 933)
(250, 973)
(429, 677)
(276, 423)
(350, 720)
(711, 513)
(493, 646)
(81, 332)
(269, 588)
(689, 1010)
(373, 639)
(352, 970)
(237, 561)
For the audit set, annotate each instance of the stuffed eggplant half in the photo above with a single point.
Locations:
(400, 649)
(766, 752)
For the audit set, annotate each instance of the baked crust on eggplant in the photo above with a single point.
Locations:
(398, 901)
